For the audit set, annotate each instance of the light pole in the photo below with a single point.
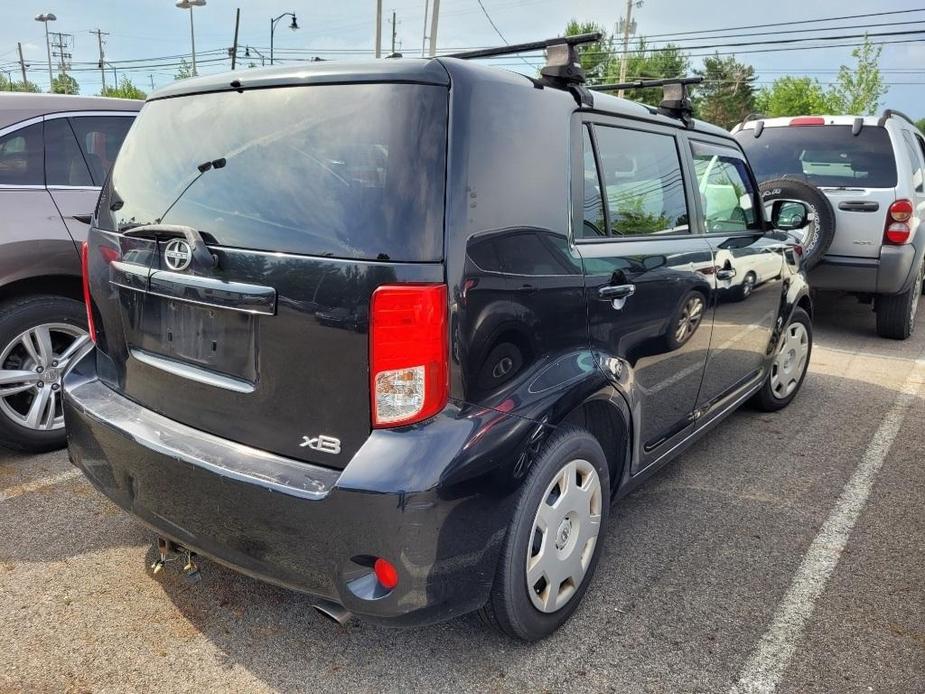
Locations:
(247, 54)
(293, 25)
(44, 18)
(189, 5)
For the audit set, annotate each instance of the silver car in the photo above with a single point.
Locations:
(55, 152)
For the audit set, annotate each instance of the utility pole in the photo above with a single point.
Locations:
(22, 64)
(629, 27)
(61, 43)
(151, 79)
(234, 46)
(434, 17)
(99, 41)
(424, 35)
(394, 31)
(378, 28)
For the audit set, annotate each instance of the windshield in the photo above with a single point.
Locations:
(352, 171)
(824, 155)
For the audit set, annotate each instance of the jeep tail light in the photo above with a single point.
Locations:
(408, 353)
(85, 273)
(897, 229)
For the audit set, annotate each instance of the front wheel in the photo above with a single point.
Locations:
(554, 541)
(790, 364)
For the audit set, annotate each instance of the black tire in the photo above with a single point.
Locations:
(820, 233)
(896, 312)
(17, 316)
(766, 399)
(509, 608)
(744, 290)
(683, 314)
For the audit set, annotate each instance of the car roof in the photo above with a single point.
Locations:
(20, 106)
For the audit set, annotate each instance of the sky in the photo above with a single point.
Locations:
(345, 29)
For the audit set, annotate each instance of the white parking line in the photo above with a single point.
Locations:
(20, 489)
(768, 662)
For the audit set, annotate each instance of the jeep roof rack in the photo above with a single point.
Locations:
(562, 69)
(889, 113)
(676, 102)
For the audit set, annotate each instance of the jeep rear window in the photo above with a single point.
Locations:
(350, 171)
(827, 155)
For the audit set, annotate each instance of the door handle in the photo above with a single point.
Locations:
(617, 294)
(858, 206)
(725, 274)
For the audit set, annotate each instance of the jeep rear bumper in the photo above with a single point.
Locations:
(891, 273)
(298, 525)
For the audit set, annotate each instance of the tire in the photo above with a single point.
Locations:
(686, 320)
(771, 397)
(896, 312)
(821, 231)
(744, 290)
(66, 323)
(511, 608)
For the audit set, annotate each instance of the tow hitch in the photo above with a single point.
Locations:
(169, 551)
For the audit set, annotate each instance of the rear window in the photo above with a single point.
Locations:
(351, 171)
(824, 155)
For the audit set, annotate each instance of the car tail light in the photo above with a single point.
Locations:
(386, 573)
(85, 273)
(408, 353)
(807, 120)
(897, 229)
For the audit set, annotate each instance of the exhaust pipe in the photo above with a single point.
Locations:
(333, 611)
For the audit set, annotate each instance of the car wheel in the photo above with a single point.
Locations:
(896, 312)
(687, 319)
(554, 540)
(747, 287)
(40, 336)
(788, 369)
(820, 229)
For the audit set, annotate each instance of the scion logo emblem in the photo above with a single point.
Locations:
(325, 444)
(178, 255)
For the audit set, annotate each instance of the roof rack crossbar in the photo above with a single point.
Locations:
(513, 48)
(676, 102)
(645, 84)
(893, 112)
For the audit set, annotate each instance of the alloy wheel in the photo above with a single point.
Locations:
(790, 361)
(31, 369)
(689, 320)
(564, 535)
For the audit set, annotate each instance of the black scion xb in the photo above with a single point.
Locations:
(397, 334)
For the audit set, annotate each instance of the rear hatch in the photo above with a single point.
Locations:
(304, 199)
(857, 172)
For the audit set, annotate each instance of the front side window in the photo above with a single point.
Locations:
(726, 190)
(644, 186)
(64, 162)
(21, 157)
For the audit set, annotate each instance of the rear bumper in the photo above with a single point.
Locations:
(302, 526)
(891, 273)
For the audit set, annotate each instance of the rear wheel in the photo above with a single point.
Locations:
(553, 544)
(39, 338)
(896, 312)
(789, 366)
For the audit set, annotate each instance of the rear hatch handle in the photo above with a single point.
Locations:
(859, 206)
(202, 259)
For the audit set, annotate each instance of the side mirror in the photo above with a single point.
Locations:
(789, 215)
(653, 262)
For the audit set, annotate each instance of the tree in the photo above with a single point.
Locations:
(125, 90)
(65, 84)
(794, 96)
(595, 57)
(645, 64)
(857, 91)
(920, 124)
(185, 70)
(26, 86)
(726, 95)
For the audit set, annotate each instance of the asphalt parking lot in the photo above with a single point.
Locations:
(785, 550)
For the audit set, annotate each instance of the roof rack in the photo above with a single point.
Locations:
(676, 102)
(889, 113)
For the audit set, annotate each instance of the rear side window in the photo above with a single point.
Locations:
(643, 184)
(21, 157)
(726, 190)
(915, 159)
(350, 171)
(826, 155)
(100, 138)
(64, 162)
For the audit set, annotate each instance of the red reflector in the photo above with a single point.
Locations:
(408, 353)
(85, 274)
(901, 211)
(807, 120)
(386, 573)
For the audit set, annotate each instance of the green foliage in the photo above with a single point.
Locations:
(595, 57)
(795, 96)
(185, 70)
(920, 124)
(727, 94)
(645, 64)
(26, 86)
(65, 84)
(125, 90)
(857, 91)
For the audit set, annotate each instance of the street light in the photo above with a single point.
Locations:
(293, 25)
(189, 5)
(247, 54)
(46, 17)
